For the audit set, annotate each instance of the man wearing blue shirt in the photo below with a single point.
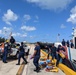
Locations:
(53, 52)
(21, 54)
(63, 42)
(59, 58)
(36, 57)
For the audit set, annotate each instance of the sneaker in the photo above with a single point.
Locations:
(5, 62)
(17, 64)
(37, 70)
(26, 62)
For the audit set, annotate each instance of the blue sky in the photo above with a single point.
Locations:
(37, 20)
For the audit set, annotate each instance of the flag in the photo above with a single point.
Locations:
(58, 34)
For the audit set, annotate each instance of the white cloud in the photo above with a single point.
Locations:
(27, 17)
(19, 35)
(0, 31)
(7, 29)
(72, 17)
(16, 34)
(36, 19)
(24, 35)
(28, 28)
(9, 16)
(51, 4)
(63, 26)
(32, 37)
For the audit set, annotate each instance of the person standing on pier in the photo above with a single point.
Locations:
(61, 54)
(53, 52)
(48, 50)
(5, 52)
(21, 54)
(36, 57)
(67, 43)
(72, 45)
(63, 42)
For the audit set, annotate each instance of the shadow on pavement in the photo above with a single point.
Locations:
(9, 59)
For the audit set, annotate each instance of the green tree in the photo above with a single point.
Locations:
(2, 39)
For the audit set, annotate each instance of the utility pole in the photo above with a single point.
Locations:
(58, 35)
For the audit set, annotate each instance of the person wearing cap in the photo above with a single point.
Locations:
(21, 54)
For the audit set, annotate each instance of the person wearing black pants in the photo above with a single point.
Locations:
(5, 52)
(21, 54)
(48, 50)
(36, 57)
(59, 58)
(53, 52)
(36, 63)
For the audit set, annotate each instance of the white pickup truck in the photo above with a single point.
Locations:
(15, 50)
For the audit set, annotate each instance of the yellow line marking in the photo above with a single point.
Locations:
(20, 70)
